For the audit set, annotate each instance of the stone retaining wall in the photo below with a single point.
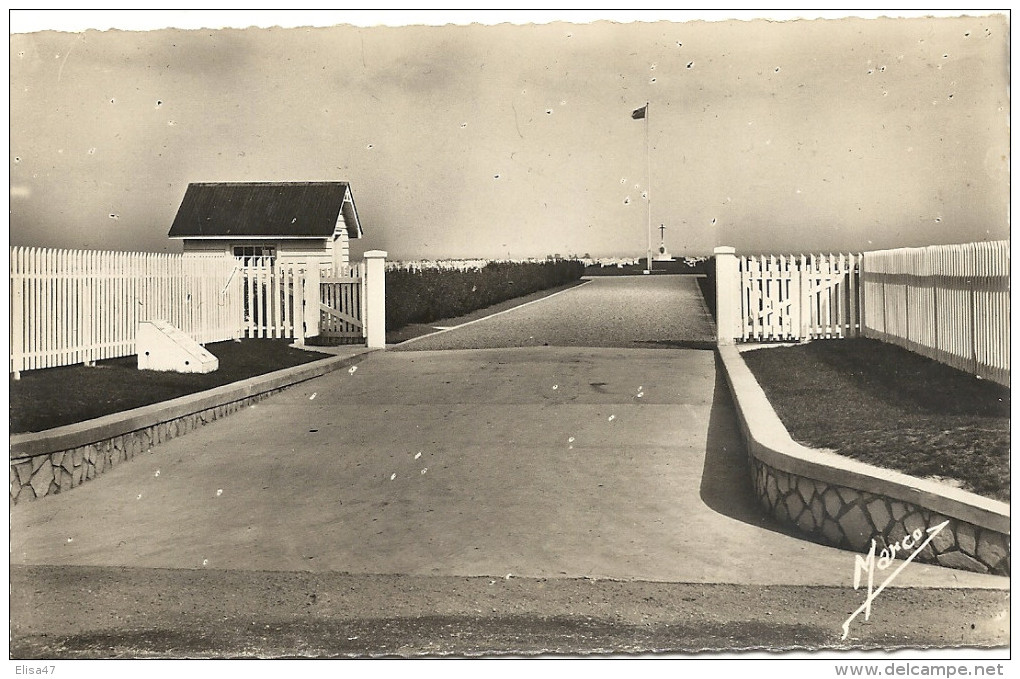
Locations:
(60, 459)
(850, 519)
(845, 503)
(60, 471)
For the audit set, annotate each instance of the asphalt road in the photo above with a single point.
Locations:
(95, 612)
(519, 499)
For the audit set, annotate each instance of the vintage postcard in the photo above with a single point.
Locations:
(510, 335)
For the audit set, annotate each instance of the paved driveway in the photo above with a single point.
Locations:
(544, 461)
(619, 311)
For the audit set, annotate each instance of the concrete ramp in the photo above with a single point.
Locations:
(161, 346)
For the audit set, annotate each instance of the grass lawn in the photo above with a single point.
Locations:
(48, 398)
(889, 407)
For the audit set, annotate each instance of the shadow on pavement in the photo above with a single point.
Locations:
(726, 478)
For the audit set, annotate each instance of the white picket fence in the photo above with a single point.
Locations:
(81, 306)
(276, 294)
(947, 302)
(797, 297)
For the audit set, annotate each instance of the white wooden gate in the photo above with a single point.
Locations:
(342, 305)
(275, 298)
(297, 300)
(790, 297)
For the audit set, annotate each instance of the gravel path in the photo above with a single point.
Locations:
(625, 311)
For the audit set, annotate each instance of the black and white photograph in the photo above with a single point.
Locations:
(524, 336)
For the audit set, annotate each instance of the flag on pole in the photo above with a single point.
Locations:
(639, 113)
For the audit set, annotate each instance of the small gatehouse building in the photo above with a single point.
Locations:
(298, 222)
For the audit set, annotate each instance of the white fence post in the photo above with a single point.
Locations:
(727, 295)
(312, 313)
(375, 298)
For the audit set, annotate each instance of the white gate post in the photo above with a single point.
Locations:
(375, 298)
(727, 295)
(311, 303)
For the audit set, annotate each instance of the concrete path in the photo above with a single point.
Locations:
(543, 461)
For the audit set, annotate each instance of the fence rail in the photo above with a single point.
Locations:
(791, 297)
(80, 306)
(947, 302)
(342, 304)
(274, 295)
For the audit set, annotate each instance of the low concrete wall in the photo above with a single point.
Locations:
(845, 503)
(56, 460)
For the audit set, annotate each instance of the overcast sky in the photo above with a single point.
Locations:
(517, 140)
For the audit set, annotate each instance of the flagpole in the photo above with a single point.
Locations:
(648, 158)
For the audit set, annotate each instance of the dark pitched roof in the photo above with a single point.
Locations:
(288, 209)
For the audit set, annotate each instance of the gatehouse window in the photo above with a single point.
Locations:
(246, 253)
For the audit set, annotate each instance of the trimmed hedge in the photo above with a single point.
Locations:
(424, 295)
(707, 285)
